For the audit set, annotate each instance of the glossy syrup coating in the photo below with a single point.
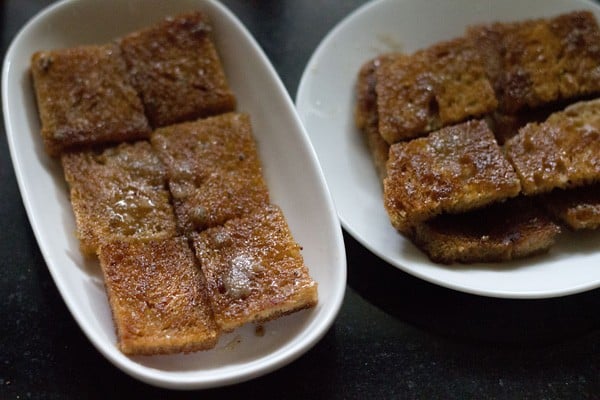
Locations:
(432, 88)
(213, 169)
(254, 269)
(455, 169)
(562, 152)
(85, 98)
(118, 193)
(158, 297)
(176, 68)
(502, 231)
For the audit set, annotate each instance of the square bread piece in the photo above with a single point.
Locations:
(366, 116)
(176, 69)
(535, 62)
(213, 169)
(503, 231)
(453, 170)
(118, 193)
(577, 208)
(562, 152)
(158, 297)
(432, 88)
(254, 269)
(85, 98)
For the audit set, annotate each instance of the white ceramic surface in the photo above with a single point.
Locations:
(291, 170)
(325, 103)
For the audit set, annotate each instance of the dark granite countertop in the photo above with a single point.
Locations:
(395, 337)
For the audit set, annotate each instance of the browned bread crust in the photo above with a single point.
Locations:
(118, 193)
(213, 169)
(85, 98)
(577, 208)
(453, 170)
(562, 152)
(158, 297)
(535, 62)
(500, 232)
(441, 85)
(175, 67)
(366, 115)
(254, 269)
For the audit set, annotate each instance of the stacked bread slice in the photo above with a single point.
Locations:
(470, 135)
(167, 188)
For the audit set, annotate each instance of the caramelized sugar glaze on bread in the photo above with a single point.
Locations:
(157, 296)
(562, 152)
(422, 92)
(455, 169)
(503, 231)
(213, 169)
(254, 269)
(118, 193)
(577, 208)
(175, 67)
(85, 98)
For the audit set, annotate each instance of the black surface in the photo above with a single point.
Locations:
(395, 337)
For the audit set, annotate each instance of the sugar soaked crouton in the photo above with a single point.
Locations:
(577, 208)
(158, 297)
(85, 98)
(254, 269)
(175, 66)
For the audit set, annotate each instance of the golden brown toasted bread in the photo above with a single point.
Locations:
(366, 116)
(158, 297)
(118, 193)
(213, 169)
(85, 98)
(577, 208)
(535, 62)
(503, 231)
(422, 92)
(453, 170)
(562, 152)
(175, 67)
(254, 269)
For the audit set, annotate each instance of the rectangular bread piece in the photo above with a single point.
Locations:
(254, 269)
(577, 208)
(118, 193)
(84, 98)
(453, 170)
(176, 68)
(503, 231)
(441, 85)
(366, 116)
(158, 297)
(562, 152)
(533, 63)
(213, 169)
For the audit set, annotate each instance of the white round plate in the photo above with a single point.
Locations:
(305, 200)
(325, 102)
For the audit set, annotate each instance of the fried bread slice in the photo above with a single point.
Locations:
(453, 170)
(503, 231)
(176, 68)
(254, 269)
(535, 62)
(562, 152)
(118, 193)
(366, 115)
(85, 98)
(158, 297)
(213, 169)
(577, 208)
(432, 88)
